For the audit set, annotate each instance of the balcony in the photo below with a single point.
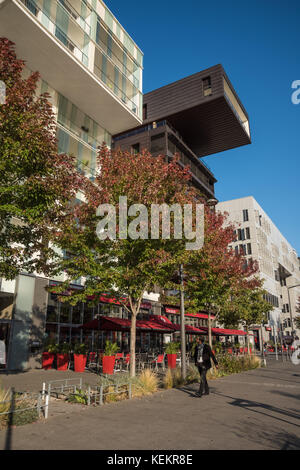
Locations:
(163, 139)
(65, 61)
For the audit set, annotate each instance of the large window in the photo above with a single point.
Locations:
(245, 215)
(158, 143)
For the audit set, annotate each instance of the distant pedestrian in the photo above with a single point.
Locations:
(203, 355)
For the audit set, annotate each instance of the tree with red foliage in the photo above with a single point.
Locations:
(214, 272)
(37, 184)
(121, 266)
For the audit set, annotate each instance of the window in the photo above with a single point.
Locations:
(135, 148)
(236, 250)
(249, 248)
(243, 249)
(248, 233)
(144, 111)
(245, 215)
(158, 143)
(241, 234)
(206, 83)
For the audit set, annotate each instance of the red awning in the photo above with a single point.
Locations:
(191, 330)
(176, 326)
(199, 315)
(122, 324)
(225, 331)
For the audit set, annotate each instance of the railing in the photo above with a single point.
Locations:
(61, 387)
(74, 129)
(19, 403)
(116, 90)
(75, 15)
(33, 7)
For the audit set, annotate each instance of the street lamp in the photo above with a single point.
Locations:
(212, 205)
(290, 309)
(182, 325)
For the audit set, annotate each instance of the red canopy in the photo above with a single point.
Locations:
(122, 324)
(225, 331)
(199, 315)
(175, 326)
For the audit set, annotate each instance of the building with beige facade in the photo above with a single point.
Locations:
(260, 239)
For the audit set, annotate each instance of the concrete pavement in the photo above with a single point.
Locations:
(257, 409)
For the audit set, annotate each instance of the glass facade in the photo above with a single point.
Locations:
(62, 321)
(95, 38)
(79, 135)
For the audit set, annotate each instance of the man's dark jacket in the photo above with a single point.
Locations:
(207, 355)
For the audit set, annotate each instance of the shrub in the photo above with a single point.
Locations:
(4, 407)
(145, 384)
(110, 348)
(22, 414)
(64, 348)
(168, 379)
(78, 397)
(232, 365)
(80, 348)
(24, 417)
(192, 374)
(173, 378)
(172, 348)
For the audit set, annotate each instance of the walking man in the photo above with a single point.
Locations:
(203, 356)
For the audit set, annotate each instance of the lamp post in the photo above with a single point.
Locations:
(290, 309)
(212, 206)
(182, 325)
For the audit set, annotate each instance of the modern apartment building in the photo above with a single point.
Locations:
(93, 71)
(193, 117)
(259, 239)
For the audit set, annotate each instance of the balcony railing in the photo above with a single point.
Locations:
(34, 8)
(84, 136)
(116, 90)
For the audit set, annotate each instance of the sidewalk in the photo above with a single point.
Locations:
(257, 409)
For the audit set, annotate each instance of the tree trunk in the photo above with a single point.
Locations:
(209, 330)
(248, 340)
(132, 344)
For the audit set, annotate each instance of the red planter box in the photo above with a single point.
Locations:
(47, 360)
(108, 363)
(172, 360)
(62, 361)
(79, 362)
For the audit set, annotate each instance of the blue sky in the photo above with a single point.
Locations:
(258, 44)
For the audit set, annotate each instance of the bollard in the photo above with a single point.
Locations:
(46, 407)
(101, 395)
(89, 395)
(129, 391)
(43, 391)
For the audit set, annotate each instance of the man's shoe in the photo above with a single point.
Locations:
(198, 394)
(206, 393)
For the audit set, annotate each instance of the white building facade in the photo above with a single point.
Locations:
(259, 239)
(93, 71)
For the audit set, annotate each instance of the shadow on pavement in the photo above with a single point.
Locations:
(249, 405)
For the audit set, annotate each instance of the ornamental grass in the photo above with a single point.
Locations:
(145, 384)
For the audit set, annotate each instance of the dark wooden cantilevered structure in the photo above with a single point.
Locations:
(197, 116)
